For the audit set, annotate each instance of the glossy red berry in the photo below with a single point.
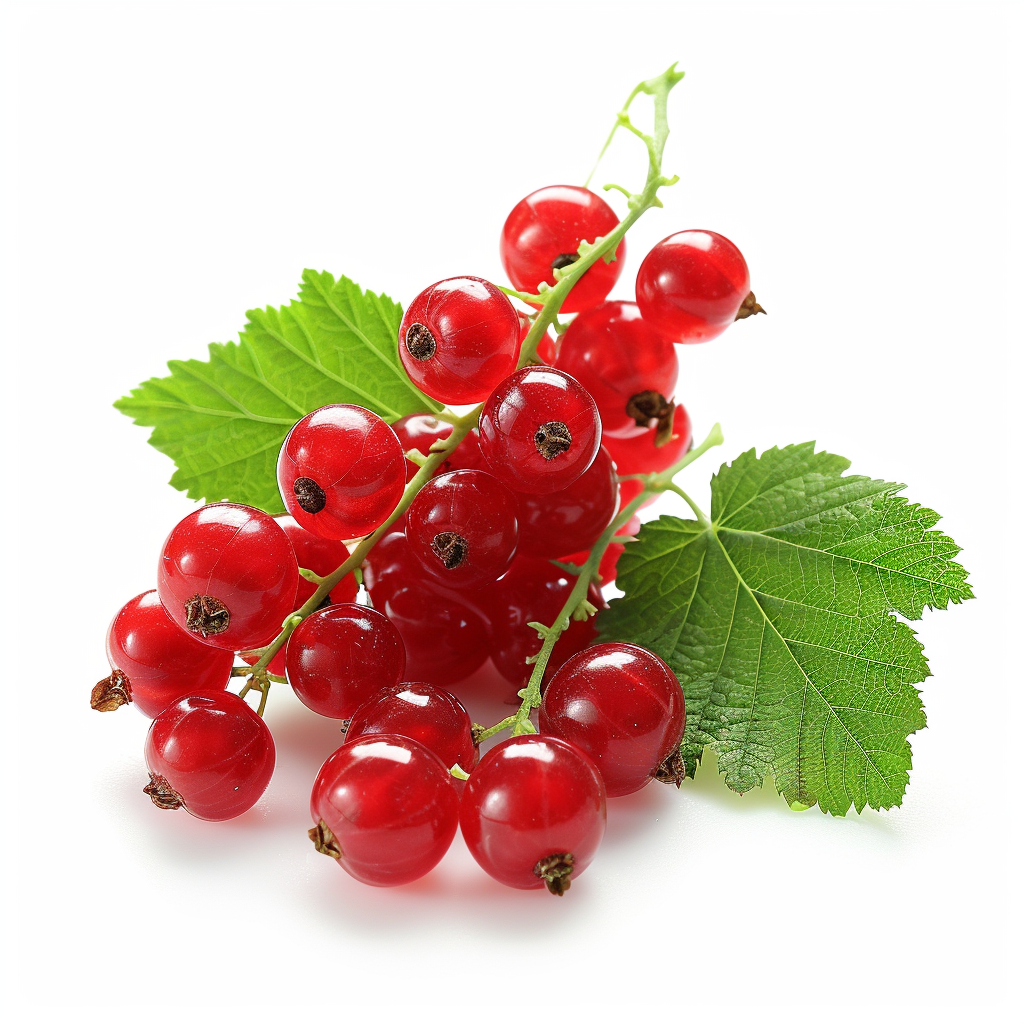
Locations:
(533, 813)
(321, 555)
(545, 347)
(610, 559)
(691, 285)
(467, 455)
(154, 661)
(228, 576)
(462, 528)
(543, 233)
(552, 525)
(419, 431)
(622, 706)
(341, 656)
(533, 590)
(539, 430)
(425, 713)
(385, 807)
(209, 753)
(444, 632)
(629, 368)
(642, 454)
(341, 471)
(458, 339)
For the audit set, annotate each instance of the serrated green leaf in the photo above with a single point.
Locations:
(223, 421)
(777, 618)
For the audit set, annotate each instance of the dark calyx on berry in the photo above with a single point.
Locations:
(451, 548)
(555, 872)
(110, 693)
(310, 495)
(206, 615)
(748, 307)
(552, 439)
(672, 770)
(160, 792)
(565, 259)
(420, 342)
(652, 409)
(324, 840)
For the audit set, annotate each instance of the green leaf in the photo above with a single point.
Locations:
(777, 617)
(223, 421)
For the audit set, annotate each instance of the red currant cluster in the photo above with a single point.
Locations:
(475, 526)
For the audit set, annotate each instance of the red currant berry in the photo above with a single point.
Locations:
(154, 661)
(385, 807)
(458, 339)
(692, 285)
(642, 454)
(321, 555)
(622, 706)
(425, 713)
(444, 633)
(341, 656)
(462, 528)
(545, 347)
(209, 753)
(533, 813)
(539, 430)
(543, 233)
(228, 575)
(341, 471)
(467, 455)
(552, 525)
(610, 559)
(533, 590)
(420, 431)
(629, 368)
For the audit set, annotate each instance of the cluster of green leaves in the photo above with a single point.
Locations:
(223, 420)
(777, 615)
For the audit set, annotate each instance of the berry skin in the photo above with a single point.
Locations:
(462, 528)
(552, 525)
(622, 706)
(610, 559)
(544, 232)
(155, 662)
(425, 713)
(692, 285)
(539, 430)
(323, 557)
(533, 812)
(629, 368)
(444, 633)
(341, 656)
(385, 808)
(458, 339)
(228, 576)
(341, 472)
(420, 431)
(209, 753)
(641, 454)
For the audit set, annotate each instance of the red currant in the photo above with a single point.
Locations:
(445, 634)
(539, 430)
(228, 575)
(622, 706)
(419, 431)
(467, 455)
(341, 471)
(533, 813)
(642, 454)
(154, 661)
(551, 525)
(692, 285)
(629, 368)
(543, 233)
(428, 714)
(533, 590)
(341, 656)
(545, 347)
(209, 753)
(462, 528)
(321, 555)
(385, 807)
(610, 559)
(458, 339)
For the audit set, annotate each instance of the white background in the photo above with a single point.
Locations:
(168, 166)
